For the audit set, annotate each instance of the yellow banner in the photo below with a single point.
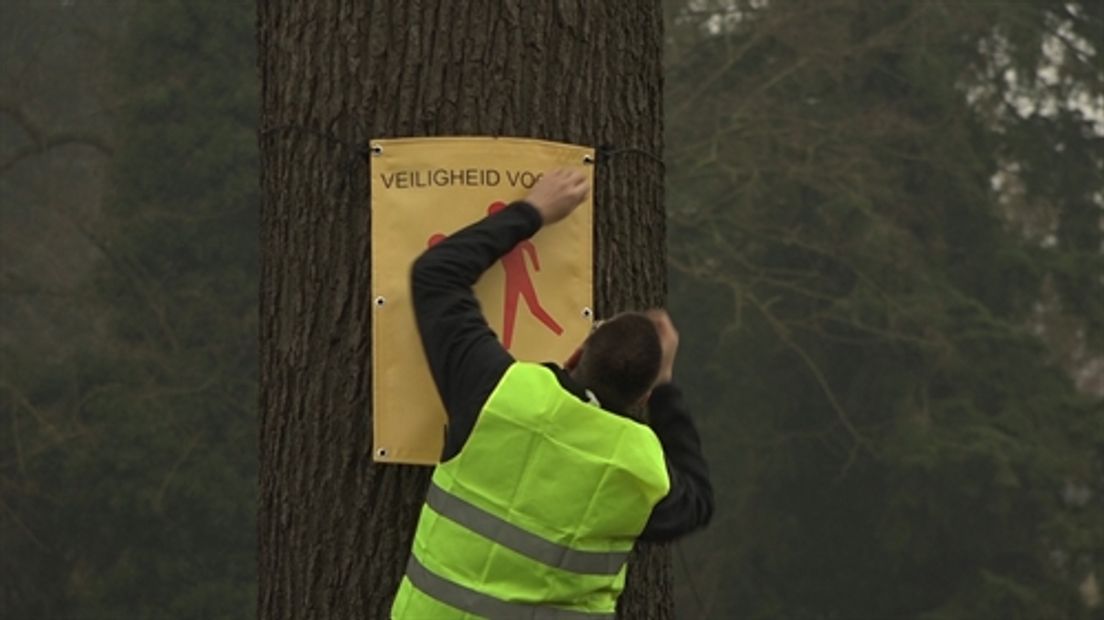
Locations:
(537, 299)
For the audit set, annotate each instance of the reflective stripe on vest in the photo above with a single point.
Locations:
(481, 604)
(513, 537)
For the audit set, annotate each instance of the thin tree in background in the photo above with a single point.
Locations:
(883, 217)
(127, 365)
(334, 528)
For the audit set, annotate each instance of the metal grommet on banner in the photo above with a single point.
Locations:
(588, 159)
(376, 150)
(380, 301)
(382, 452)
(588, 313)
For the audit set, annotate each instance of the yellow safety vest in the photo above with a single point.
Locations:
(536, 515)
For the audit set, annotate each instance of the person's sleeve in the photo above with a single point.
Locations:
(689, 503)
(465, 357)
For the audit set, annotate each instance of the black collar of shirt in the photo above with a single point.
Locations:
(576, 389)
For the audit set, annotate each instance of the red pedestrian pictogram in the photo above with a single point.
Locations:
(518, 283)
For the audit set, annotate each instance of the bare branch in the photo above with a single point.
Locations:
(42, 141)
(159, 497)
(784, 335)
(52, 142)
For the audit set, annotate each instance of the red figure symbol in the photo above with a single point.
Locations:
(518, 283)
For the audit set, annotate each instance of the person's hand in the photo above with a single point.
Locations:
(668, 343)
(557, 193)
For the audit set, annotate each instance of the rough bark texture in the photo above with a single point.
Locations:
(334, 528)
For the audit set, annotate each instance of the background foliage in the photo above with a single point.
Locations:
(886, 236)
(886, 248)
(129, 463)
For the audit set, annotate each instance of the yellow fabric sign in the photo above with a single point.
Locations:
(537, 299)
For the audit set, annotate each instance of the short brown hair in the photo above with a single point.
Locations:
(620, 360)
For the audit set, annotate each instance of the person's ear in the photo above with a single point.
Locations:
(573, 361)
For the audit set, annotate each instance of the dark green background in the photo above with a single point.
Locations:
(885, 260)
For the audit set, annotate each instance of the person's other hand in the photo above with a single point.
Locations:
(557, 193)
(668, 343)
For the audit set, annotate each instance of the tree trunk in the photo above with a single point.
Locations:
(334, 529)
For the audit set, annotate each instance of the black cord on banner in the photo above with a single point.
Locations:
(359, 151)
(607, 151)
(362, 150)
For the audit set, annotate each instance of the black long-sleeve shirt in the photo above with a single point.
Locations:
(467, 362)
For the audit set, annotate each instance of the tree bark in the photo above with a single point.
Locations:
(334, 529)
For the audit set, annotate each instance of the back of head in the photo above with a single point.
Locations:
(620, 360)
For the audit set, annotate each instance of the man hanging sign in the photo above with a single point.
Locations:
(538, 301)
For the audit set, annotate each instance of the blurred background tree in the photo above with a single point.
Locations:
(886, 253)
(886, 262)
(55, 145)
(129, 342)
